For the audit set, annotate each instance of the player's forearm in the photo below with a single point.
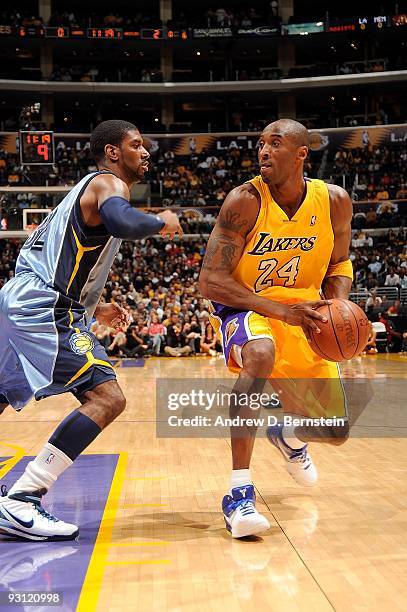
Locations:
(123, 221)
(337, 287)
(226, 290)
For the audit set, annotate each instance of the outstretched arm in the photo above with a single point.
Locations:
(223, 252)
(106, 200)
(338, 285)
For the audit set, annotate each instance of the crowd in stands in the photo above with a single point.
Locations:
(250, 73)
(379, 260)
(203, 179)
(86, 19)
(156, 281)
(108, 74)
(328, 68)
(377, 173)
(134, 19)
(220, 17)
(20, 18)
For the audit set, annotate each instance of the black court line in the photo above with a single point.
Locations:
(291, 543)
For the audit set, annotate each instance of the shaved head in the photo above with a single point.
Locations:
(294, 130)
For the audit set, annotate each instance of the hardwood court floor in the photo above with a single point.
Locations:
(162, 545)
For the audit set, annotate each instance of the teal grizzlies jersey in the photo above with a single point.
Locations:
(68, 257)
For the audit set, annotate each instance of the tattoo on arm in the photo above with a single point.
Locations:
(211, 250)
(232, 221)
(220, 253)
(228, 253)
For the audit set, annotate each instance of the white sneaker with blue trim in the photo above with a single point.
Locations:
(298, 461)
(22, 516)
(240, 514)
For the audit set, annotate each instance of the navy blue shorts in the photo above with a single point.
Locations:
(46, 347)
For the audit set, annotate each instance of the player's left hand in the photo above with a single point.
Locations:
(172, 225)
(112, 315)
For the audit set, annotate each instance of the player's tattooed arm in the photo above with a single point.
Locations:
(226, 243)
(341, 218)
(225, 247)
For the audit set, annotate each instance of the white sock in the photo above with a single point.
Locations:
(43, 471)
(239, 478)
(289, 437)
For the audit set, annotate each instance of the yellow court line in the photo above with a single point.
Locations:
(8, 464)
(93, 580)
(140, 562)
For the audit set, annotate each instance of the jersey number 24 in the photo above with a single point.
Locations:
(287, 273)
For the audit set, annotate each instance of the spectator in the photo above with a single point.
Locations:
(392, 279)
(370, 348)
(156, 331)
(177, 344)
(118, 342)
(394, 309)
(403, 278)
(394, 338)
(136, 344)
(208, 339)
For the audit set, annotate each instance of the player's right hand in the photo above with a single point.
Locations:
(306, 316)
(172, 225)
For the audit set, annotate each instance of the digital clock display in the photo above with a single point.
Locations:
(114, 33)
(37, 148)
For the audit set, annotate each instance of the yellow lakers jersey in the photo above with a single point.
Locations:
(286, 259)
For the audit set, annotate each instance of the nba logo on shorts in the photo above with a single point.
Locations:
(313, 220)
(50, 458)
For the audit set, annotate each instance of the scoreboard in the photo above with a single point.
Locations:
(368, 23)
(65, 32)
(36, 148)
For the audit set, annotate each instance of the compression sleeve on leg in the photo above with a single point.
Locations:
(123, 221)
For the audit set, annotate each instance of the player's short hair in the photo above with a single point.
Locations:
(295, 130)
(108, 132)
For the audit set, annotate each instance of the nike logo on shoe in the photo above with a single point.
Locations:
(26, 524)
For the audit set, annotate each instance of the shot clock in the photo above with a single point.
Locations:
(37, 148)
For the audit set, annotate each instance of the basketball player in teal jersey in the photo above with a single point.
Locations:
(46, 347)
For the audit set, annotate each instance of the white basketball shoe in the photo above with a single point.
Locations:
(240, 514)
(298, 461)
(22, 516)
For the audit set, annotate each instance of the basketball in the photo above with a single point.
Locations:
(344, 335)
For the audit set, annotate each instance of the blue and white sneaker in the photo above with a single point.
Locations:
(240, 514)
(22, 516)
(298, 462)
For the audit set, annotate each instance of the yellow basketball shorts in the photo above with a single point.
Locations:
(311, 385)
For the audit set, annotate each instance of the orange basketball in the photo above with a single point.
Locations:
(344, 335)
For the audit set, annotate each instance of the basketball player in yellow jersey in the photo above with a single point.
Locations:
(280, 241)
